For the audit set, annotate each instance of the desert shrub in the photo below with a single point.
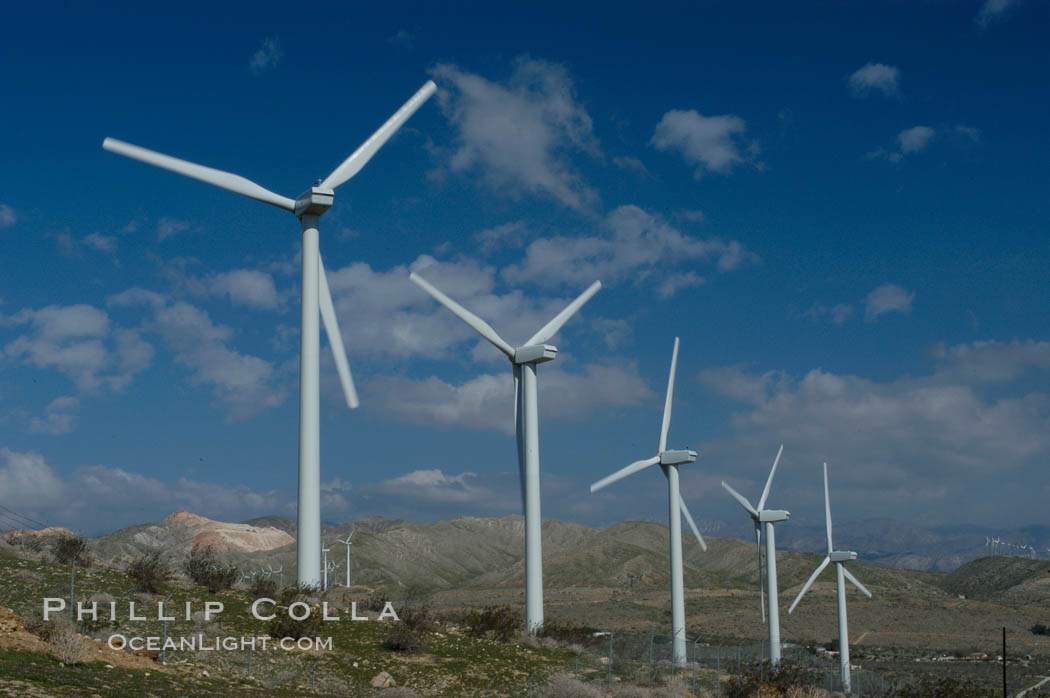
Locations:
(565, 686)
(286, 626)
(374, 601)
(204, 568)
(498, 623)
(67, 644)
(263, 587)
(943, 687)
(1040, 629)
(569, 633)
(68, 548)
(416, 615)
(750, 678)
(401, 638)
(148, 573)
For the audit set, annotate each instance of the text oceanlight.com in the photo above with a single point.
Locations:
(200, 643)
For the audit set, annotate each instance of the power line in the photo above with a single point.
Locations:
(22, 516)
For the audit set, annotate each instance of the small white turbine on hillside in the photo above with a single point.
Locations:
(316, 298)
(527, 426)
(347, 543)
(840, 558)
(669, 462)
(766, 518)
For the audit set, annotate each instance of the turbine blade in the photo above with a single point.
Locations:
(809, 583)
(692, 524)
(740, 498)
(827, 509)
(353, 164)
(761, 582)
(856, 582)
(552, 327)
(479, 325)
(335, 339)
(769, 482)
(223, 180)
(666, 424)
(624, 472)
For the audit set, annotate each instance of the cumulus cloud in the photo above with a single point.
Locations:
(167, 227)
(60, 417)
(511, 234)
(909, 141)
(7, 216)
(633, 244)
(626, 162)
(711, 143)
(904, 445)
(267, 57)
(80, 342)
(487, 401)
(888, 298)
(872, 78)
(518, 134)
(247, 287)
(102, 243)
(99, 499)
(243, 383)
(994, 11)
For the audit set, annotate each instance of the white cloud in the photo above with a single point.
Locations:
(711, 143)
(100, 499)
(939, 441)
(487, 401)
(402, 39)
(518, 134)
(888, 298)
(268, 56)
(73, 340)
(7, 216)
(243, 383)
(60, 417)
(635, 244)
(246, 287)
(909, 141)
(167, 227)
(914, 139)
(837, 314)
(102, 243)
(969, 132)
(626, 162)
(674, 283)
(993, 11)
(874, 77)
(511, 234)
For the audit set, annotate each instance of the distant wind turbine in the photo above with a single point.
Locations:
(347, 543)
(766, 518)
(524, 360)
(840, 558)
(669, 462)
(316, 299)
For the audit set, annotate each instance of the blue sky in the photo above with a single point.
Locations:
(842, 210)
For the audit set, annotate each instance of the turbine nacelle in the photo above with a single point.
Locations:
(843, 556)
(771, 516)
(315, 201)
(677, 457)
(534, 354)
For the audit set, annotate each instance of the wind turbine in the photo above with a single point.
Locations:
(840, 558)
(347, 543)
(324, 586)
(526, 423)
(669, 462)
(766, 518)
(316, 298)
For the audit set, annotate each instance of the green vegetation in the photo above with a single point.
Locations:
(149, 573)
(204, 568)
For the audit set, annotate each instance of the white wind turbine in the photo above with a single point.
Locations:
(347, 543)
(840, 558)
(526, 423)
(669, 462)
(324, 566)
(766, 518)
(316, 298)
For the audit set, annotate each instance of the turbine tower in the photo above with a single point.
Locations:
(526, 424)
(316, 298)
(347, 543)
(669, 462)
(840, 558)
(765, 518)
